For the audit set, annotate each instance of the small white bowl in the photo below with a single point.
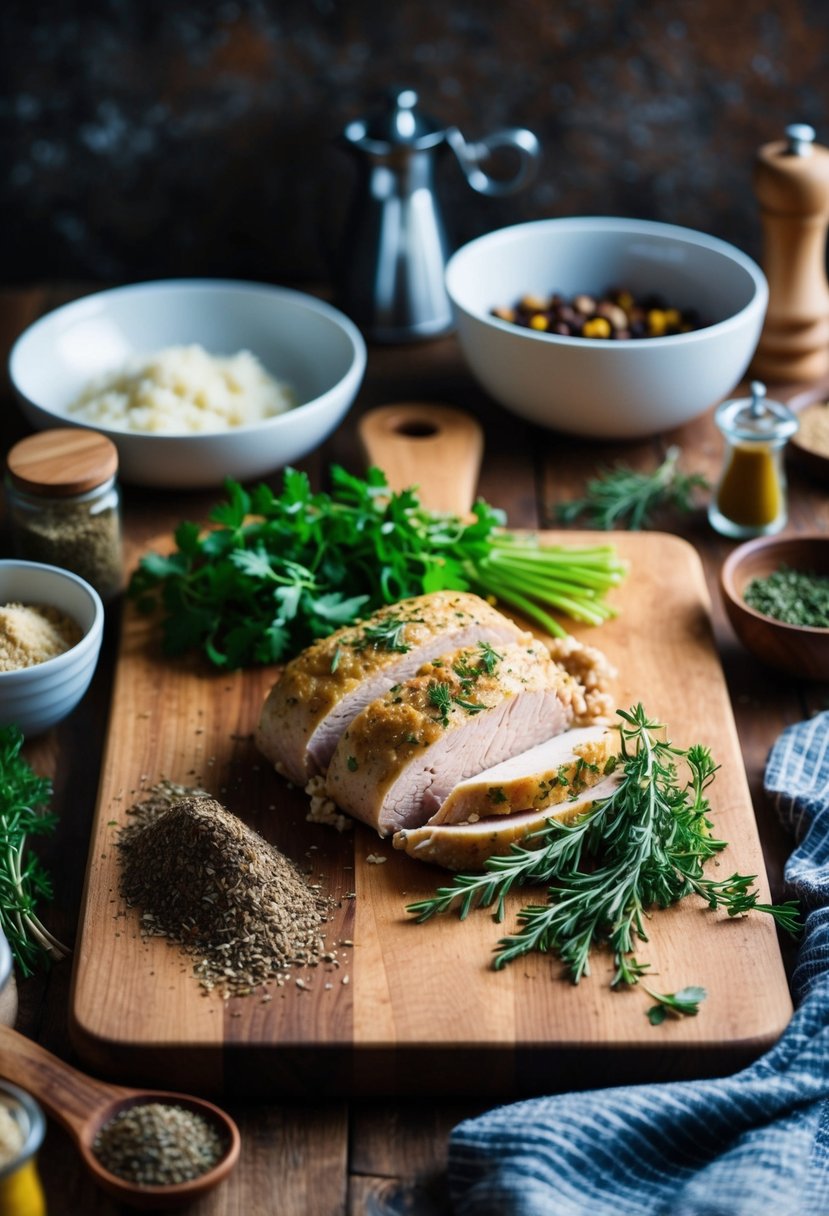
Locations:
(601, 388)
(300, 340)
(36, 697)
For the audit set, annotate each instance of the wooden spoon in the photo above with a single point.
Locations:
(435, 447)
(83, 1105)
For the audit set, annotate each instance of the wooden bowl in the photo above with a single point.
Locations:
(795, 649)
(810, 461)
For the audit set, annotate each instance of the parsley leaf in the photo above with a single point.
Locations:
(684, 1003)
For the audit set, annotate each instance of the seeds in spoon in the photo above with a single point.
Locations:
(158, 1144)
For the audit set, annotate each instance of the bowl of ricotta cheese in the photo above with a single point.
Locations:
(194, 380)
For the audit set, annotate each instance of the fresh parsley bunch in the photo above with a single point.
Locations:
(274, 571)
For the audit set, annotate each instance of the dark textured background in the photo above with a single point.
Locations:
(165, 137)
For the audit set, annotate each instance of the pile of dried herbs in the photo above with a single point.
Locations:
(791, 596)
(207, 882)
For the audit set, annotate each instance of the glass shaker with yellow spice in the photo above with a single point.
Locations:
(21, 1134)
(750, 498)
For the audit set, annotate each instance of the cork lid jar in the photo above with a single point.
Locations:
(63, 462)
(64, 504)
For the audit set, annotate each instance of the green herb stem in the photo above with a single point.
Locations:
(23, 799)
(620, 497)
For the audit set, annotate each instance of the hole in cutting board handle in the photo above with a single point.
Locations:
(416, 428)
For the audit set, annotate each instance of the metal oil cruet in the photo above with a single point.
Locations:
(394, 249)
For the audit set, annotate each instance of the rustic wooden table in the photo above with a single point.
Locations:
(382, 1157)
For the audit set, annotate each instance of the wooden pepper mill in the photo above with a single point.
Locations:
(791, 181)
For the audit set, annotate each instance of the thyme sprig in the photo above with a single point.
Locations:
(23, 881)
(642, 847)
(623, 497)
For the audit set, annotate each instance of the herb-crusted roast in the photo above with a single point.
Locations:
(327, 685)
(399, 759)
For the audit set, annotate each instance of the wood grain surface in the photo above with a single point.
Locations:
(414, 1008)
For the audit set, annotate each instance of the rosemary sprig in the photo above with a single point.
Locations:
(622, 497)
(23, 798)
(644, 846)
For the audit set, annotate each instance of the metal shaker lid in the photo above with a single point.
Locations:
(398, 122)
(756, 418)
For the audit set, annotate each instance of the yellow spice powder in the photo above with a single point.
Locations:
(33, 633)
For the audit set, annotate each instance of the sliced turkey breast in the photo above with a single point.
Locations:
(399, 759)
(323, 688)
(552, 772)
(466, 846)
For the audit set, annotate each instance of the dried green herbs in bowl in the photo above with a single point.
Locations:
(776, 594)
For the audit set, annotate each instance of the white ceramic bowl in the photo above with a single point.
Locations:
(300, 340)
(37, 697)
(603, 388)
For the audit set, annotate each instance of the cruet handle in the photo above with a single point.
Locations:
(470, 156)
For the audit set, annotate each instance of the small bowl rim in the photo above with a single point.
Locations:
(36, 1125)
(757, 544)
(87, 644)
(354, 371)
(803, 455)
(619, 224)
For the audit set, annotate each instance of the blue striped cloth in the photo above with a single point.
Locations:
(752, 1144)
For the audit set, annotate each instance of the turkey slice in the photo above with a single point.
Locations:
(551, 772)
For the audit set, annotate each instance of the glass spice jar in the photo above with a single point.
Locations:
(23, 1124)
(65, 506)
(750, 497)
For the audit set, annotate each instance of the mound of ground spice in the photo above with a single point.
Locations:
(209, 883)
(33, 633)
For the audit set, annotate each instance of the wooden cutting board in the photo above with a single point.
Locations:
(417, 1008)
(421, 1008)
